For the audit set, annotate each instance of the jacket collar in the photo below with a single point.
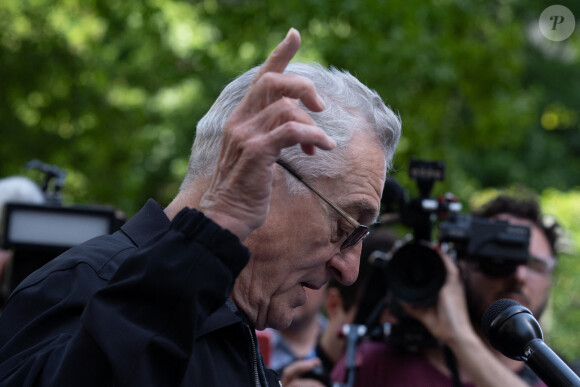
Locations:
(227, 314)
(148, 222)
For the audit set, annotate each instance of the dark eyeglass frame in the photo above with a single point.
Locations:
(537, 265)
(360, 231)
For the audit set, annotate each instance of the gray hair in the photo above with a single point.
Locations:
(350, 107)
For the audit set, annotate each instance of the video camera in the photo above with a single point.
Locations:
(413, 272)
(37, 233)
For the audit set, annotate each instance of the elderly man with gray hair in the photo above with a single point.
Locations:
(174, 298)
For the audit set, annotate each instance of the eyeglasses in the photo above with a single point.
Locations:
(360, 231)
(504, 268)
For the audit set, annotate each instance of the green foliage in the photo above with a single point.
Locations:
(563, 332)
(111, 91)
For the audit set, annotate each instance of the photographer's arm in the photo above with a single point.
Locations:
(449, 322)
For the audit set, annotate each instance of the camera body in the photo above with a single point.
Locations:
(413, 272)
(485, 239)
(37, 233)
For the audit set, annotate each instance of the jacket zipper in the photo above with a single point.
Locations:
(254, 358)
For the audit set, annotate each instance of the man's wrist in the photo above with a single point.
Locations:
(195, 225)
(230, 223)
(466, 339)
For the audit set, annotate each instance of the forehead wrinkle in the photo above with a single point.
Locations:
(362, 209)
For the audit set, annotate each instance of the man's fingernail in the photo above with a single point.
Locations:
(290, 31)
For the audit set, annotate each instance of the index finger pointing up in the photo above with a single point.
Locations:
(282, 54)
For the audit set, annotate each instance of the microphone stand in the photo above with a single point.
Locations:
(354, 333)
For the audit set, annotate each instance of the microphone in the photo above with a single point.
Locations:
(513, 330)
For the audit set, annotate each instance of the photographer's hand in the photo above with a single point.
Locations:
(291, 374)
(267, 120)
(449, 322)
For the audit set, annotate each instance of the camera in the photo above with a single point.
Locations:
(37, 233)
(413, 272)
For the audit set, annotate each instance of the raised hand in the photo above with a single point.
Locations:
(267, 120)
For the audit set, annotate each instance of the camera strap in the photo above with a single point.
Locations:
(452, 365)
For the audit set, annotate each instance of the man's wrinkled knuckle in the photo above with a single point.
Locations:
(305, 84)
(290, 129)
(288, 104)
(253, 148)
(237, 136)
(268, 78)
(308, 84)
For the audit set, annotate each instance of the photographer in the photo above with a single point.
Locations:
(463, 357)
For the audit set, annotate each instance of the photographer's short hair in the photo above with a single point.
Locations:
(525, 208)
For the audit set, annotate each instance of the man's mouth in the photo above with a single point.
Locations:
(310, 285)
(518, 297)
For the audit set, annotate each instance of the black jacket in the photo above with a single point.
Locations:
(145, 306)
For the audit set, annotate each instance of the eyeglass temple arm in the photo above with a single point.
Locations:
(349, 219)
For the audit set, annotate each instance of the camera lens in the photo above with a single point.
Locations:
(415, 274)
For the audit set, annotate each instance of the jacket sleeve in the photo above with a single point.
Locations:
(138, 329)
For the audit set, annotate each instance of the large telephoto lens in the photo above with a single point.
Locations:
(415, 274)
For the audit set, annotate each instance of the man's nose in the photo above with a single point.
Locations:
(521, 272)
(345, 264)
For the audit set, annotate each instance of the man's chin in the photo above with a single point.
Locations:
(517, 297)
(281, 313)
(280, 324)
(281, 321)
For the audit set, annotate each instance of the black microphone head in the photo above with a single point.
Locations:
(509, 327)
(493, 311)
